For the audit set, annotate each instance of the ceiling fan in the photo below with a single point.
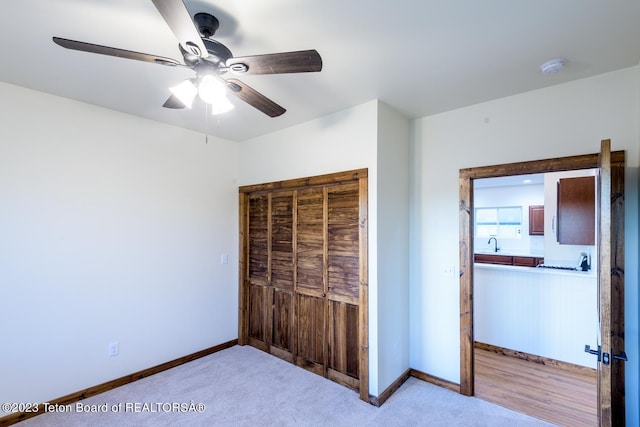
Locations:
(211, 60)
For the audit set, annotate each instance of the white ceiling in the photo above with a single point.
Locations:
(419, 56)
(508, 181)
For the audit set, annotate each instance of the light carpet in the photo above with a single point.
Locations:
(242, 386)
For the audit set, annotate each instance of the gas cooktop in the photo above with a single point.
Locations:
(557, 267)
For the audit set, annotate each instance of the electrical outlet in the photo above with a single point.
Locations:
(114, 349)
(224, 259)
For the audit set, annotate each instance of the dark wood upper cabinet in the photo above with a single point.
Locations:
(576, 211)
(536, 220)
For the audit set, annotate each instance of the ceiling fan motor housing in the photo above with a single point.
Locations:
(218, 52)
(207, 24)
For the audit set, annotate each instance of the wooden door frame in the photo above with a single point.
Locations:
(587, 161)
(358, 175)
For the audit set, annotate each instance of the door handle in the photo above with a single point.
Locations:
(606, 357)
(598, 352)
(622, 356)
(602, 356)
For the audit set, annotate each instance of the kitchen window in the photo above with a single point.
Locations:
(501, 222)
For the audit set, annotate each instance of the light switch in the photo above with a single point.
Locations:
(114, 349)
(224, 259)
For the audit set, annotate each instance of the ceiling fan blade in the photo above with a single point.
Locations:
(173, 102)
(254, 98)
(177, 17)
(303, 61)
(112, 51)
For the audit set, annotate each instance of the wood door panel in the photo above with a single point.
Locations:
(617, 291)
(258, 270)
(343, 276)
(343, 244)
(310, 328)
(257, 298)
(310, 280)
(343, 240)
(343, 204)
(310, 205)
(343, 338)
(282, 270)
(282, 240)
(310, 239)
(258, 233)
(282, 320)
(344, 299)
(317, 293)
(282, 223)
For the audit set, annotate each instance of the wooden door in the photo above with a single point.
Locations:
(611, 408)
(280, 291)
(611, 268)
(343, 282)
(270, 272)
(257, 282)
(310, 280)
(303, 274)
(328, 281)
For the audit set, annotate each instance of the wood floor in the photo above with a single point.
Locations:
(562, 396)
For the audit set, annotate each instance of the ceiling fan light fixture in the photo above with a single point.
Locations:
(213, 92)
(210, 89)
(185, 92)
(222, 105)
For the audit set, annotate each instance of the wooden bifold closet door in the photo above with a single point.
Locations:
(303, 278)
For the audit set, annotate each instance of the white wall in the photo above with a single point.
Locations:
(539, 312)
(112, 228)
(562, 120)
(372, 136)
(393, 245)
(339, 142)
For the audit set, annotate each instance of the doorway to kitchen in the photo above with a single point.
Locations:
(533, 285)
(610, 305)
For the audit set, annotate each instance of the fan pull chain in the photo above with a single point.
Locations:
(206, 123)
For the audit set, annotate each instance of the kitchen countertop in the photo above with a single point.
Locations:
(511, 253)
(535, 270)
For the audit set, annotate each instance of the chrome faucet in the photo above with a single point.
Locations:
(496, 248)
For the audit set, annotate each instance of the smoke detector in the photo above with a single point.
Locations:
(553, 66)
